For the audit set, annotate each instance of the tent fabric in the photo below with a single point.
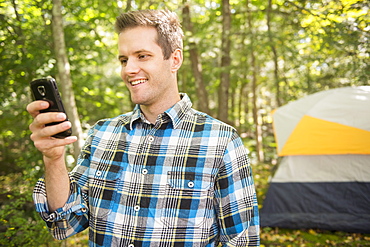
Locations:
(329, 206)
(323, 178)
(323, 168)
(335, 106)
(324, 137)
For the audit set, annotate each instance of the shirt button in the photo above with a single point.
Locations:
(144, 171)
(151, 138)
(131, 245)
(190, 184)
(137, 208)
(98, 173)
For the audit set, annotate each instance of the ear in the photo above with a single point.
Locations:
(176, 60)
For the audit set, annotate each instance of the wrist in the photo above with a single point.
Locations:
(54, 162)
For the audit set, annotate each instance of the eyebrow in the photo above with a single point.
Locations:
(136, 52)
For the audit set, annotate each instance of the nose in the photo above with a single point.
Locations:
(131, 67)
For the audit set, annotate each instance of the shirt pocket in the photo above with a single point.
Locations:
(102, 191)
(188, 200)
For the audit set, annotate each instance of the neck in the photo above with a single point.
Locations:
(151, 112)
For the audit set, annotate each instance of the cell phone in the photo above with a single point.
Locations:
(46, 89)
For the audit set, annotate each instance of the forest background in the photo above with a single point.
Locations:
(243, 59)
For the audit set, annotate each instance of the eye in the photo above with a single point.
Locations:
(143, 56)
(123, 61)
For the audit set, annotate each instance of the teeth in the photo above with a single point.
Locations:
(134, 83)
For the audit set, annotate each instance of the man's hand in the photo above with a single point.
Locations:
(56, 174)
(51, 148)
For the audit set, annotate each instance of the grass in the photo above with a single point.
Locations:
(310, 238)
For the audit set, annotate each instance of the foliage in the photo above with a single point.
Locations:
(19, 222)
(317, 45)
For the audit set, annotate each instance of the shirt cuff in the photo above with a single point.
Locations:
(75, 203)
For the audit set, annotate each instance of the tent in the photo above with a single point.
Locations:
(323, 178)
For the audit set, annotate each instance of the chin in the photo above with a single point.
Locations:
(137, 101)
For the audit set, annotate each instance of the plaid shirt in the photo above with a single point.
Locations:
(185, 181)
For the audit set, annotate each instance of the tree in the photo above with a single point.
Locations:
(196, 65)
(223, 90)
(64, 75)
(254, 67)
(274, 52)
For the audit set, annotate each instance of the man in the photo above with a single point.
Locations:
(162, 175)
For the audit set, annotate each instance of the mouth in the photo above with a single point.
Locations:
(137, 82)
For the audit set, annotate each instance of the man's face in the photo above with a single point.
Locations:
(146, 74)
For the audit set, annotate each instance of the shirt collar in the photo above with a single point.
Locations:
(177, 112)
(136, 115)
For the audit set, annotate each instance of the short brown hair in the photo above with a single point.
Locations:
(167, 24)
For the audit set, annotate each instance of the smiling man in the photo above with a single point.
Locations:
(150, 78)
(161, 175)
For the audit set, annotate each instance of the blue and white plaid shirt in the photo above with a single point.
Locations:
(185, 181)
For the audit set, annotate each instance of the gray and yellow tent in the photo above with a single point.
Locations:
(323, 179)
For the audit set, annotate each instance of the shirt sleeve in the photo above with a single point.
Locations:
(236, 200)
(67, 220)
(72, 218)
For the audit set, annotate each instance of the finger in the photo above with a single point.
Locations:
(53, 147)
(40, 131)
(49, 117)
(55, 129)
(34, 107)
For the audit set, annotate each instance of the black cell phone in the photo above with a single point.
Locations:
(46, 89)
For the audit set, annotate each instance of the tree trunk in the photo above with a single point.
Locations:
(258, 130)
(128, 6)
(223, 91)
(234, 110)
(274, 53)
(243, 106)
(64, 75)
(195, 63)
